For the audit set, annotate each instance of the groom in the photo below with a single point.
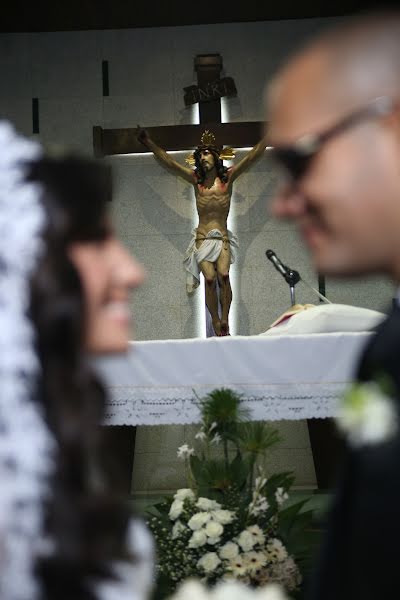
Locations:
(333, 117)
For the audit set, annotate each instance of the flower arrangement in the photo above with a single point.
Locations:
(232, 522)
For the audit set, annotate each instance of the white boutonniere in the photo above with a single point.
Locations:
(367, 415)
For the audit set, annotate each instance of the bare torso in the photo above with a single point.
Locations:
(213, 202)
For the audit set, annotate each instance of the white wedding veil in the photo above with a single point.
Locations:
(26, 445)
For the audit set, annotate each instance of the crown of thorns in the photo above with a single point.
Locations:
(207, 141)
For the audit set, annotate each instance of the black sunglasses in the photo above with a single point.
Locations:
(297, 157)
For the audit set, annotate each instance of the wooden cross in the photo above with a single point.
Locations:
(208, 67)
(108, 142)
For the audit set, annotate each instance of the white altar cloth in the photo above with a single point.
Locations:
(288, 377)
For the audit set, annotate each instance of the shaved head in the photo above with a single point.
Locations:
(347, 203)
(348, 65)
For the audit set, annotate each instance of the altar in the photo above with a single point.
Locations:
(285, 377)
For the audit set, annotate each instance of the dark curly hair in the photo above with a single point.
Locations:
(85, 520)
(222, 171)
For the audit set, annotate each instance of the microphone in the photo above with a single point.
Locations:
(290, 275)
(279, 266)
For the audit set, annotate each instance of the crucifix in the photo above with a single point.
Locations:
(211, 87)
(183, 137)
(212, 247)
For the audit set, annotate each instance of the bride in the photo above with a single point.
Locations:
(65, 281)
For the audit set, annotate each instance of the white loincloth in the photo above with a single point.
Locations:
(209, 250)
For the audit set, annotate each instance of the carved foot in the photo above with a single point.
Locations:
(224, 328)
(217, 327)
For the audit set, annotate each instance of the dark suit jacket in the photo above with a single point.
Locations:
(360, 555)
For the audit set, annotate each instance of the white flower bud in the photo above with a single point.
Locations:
(176, 509)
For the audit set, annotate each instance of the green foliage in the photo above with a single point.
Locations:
(215, 477)
(256, 437)
(228, 487)
(296, 527)
(222, 406)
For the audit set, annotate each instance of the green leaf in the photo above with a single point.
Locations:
(256, 437)
(222, 406)
(284, 480)
(196, 466)
(239, 469)
(297, 531)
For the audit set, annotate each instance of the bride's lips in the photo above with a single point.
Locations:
(118, 311)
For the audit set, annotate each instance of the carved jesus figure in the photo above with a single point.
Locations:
(212, 248)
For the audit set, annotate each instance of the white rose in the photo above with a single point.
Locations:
(246, 541)
(207, 504)
(229, 551)
(198, 539)
(184, 494)
(177, 529)
(199, 520)
(214, 529)
(176, 509)
(213, 540)
(367, 416)
(223, 516)
(209, 562)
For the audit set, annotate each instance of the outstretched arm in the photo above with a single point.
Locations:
(163, 157)
(250, 158)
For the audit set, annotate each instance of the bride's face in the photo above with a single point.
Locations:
(108, 273)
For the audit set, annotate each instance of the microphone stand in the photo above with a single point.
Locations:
(292, 278)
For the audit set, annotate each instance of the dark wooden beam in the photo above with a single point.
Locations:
(175, 137)
(208, 68)
(98, 141)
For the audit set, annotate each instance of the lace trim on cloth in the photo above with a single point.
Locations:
(26, 445)
(177, 406)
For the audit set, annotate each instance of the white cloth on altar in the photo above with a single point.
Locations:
(209, 250)
(282, 377)
(325, 318)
